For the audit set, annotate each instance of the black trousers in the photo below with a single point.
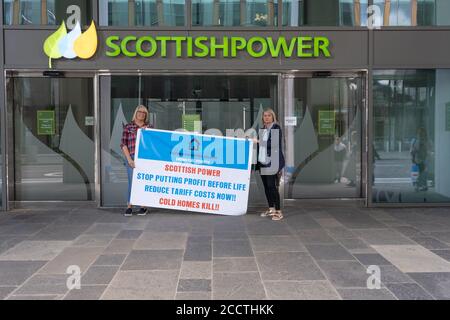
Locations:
(271, 190)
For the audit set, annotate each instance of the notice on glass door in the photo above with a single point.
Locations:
(46, 122)
(191, 172)
(327, 122)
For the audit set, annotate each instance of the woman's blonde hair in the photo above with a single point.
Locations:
(140, 108)
(269, 110)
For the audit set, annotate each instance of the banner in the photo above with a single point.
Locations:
(191, 172)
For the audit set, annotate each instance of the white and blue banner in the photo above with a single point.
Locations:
(191, 172)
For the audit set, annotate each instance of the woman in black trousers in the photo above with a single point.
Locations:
(271, 162)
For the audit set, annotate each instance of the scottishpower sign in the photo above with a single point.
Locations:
(229, 47)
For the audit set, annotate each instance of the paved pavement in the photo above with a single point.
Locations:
(314, 253)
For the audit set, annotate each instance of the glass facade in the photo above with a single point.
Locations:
(53, 138)
(325, 144)
(324, 12)
(46, 12)
(142, 13)
(414, 12)
(234, 12)
(200, 103)
(411, 137)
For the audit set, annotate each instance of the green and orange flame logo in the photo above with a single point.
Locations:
(71, 45)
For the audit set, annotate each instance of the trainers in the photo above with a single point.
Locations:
(128, 212)
(142, 212)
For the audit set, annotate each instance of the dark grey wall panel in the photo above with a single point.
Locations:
(412, 49)
(349, 49)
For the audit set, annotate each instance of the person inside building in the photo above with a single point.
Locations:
(340, 151)
(419, 153)
(139, 121)
(271, 162)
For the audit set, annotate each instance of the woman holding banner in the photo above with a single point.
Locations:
(139, 121)
(271, 162)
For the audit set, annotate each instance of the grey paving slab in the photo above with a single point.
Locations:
(78, 256)
(35, 250)
(36, 297)
(390, 274)
(136, 224)
(345, 274)
(86, 293)
(24, 229)
(232, 248)
(229, 235)
(7, 242)
(410, 258)
(142, 285)
(119, 246)
(105, 228)
(353, 244)
(93, 240)
(196, 270)
(194, 285)
(366, 294)
(288, 266)
(206, 295)
(97, 275)
(371, 259)
(110, 260)
(437, 284)
(315, 236)
(165, 224)
(276, 244)
(441, 236)
(268, 227)
(235, 265)
(161, 240)
(14, 273)
(329, 223)
(129, 234)
(382, 237)
(445, 254)
(329, 252)
(300, 290)
(430, 243)
(50, 284)
(5, 291)
(300, 222)
(340, 233)
(237, 286)
(153, 260)
(409, 231)
(198, 251)
(409, 291)
(60, 233)
(358, 221)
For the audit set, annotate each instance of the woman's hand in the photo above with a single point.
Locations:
(131, 163)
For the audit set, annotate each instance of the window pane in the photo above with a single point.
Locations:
(411, 136)
(325, 12)
(142, 13)
(234, 12)
(427, 13)
(30, 11)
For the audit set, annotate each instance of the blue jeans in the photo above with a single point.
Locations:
(130, 178)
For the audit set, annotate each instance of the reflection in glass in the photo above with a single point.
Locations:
(55, 11)
(411, 136)
(325, 12)
(414, 12)
(53, 136)
(142, 13)
(234, 12)
(323, 141)
(194, 103)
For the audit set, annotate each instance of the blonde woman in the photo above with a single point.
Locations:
(139, 121)
(271, 162)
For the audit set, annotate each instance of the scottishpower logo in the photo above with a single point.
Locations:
(74, 44)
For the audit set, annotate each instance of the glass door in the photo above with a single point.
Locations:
(53, 133)
(323, 136)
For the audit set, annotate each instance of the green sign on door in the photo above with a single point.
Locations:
(327, 122)
(46, 122)
(447, 117)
